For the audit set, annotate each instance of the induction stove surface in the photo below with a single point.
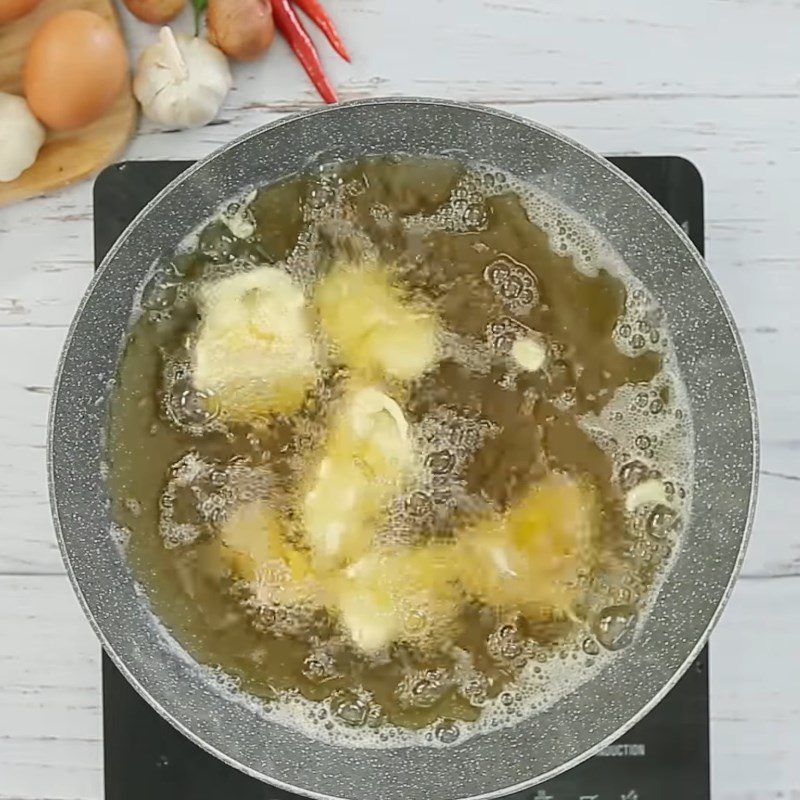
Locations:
(664, 757)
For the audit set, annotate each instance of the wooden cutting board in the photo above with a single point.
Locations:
(66, 156)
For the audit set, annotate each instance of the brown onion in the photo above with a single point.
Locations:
(242, 29)
(156, 12)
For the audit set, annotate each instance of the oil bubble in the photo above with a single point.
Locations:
(350, 709)
(422, 689)
(447, 731)
(418, 504)
(590, 646)
(661, 521)
(513, 283)
(134, 506)
(375, 716)
(441, 462)
(319, 667)
(159, 296)
(474, 216)
(198, 406)
(632, 473)
(615, 626)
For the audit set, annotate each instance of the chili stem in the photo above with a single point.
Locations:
(288, 23)
(319, 17)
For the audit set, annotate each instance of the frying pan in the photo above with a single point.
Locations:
(691, 597)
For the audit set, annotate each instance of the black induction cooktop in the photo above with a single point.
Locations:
(664, 757)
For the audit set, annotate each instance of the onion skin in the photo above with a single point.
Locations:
(242, 29)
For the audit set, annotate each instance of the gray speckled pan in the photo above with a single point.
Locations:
(692, 596)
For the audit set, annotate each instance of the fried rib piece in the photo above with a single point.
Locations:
(375, 329)
(367, 457)
(529, 557)
(254, 350)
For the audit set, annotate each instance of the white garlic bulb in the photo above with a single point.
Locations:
(21, 135)
(181, 81)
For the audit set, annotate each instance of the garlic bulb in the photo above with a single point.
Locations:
(21, 134)
(181, 81)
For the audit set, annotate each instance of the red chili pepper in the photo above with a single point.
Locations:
(288, 23)
(318, 16)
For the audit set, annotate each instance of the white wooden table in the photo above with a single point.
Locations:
(717, 81)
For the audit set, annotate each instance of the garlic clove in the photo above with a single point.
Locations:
(21, 134)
